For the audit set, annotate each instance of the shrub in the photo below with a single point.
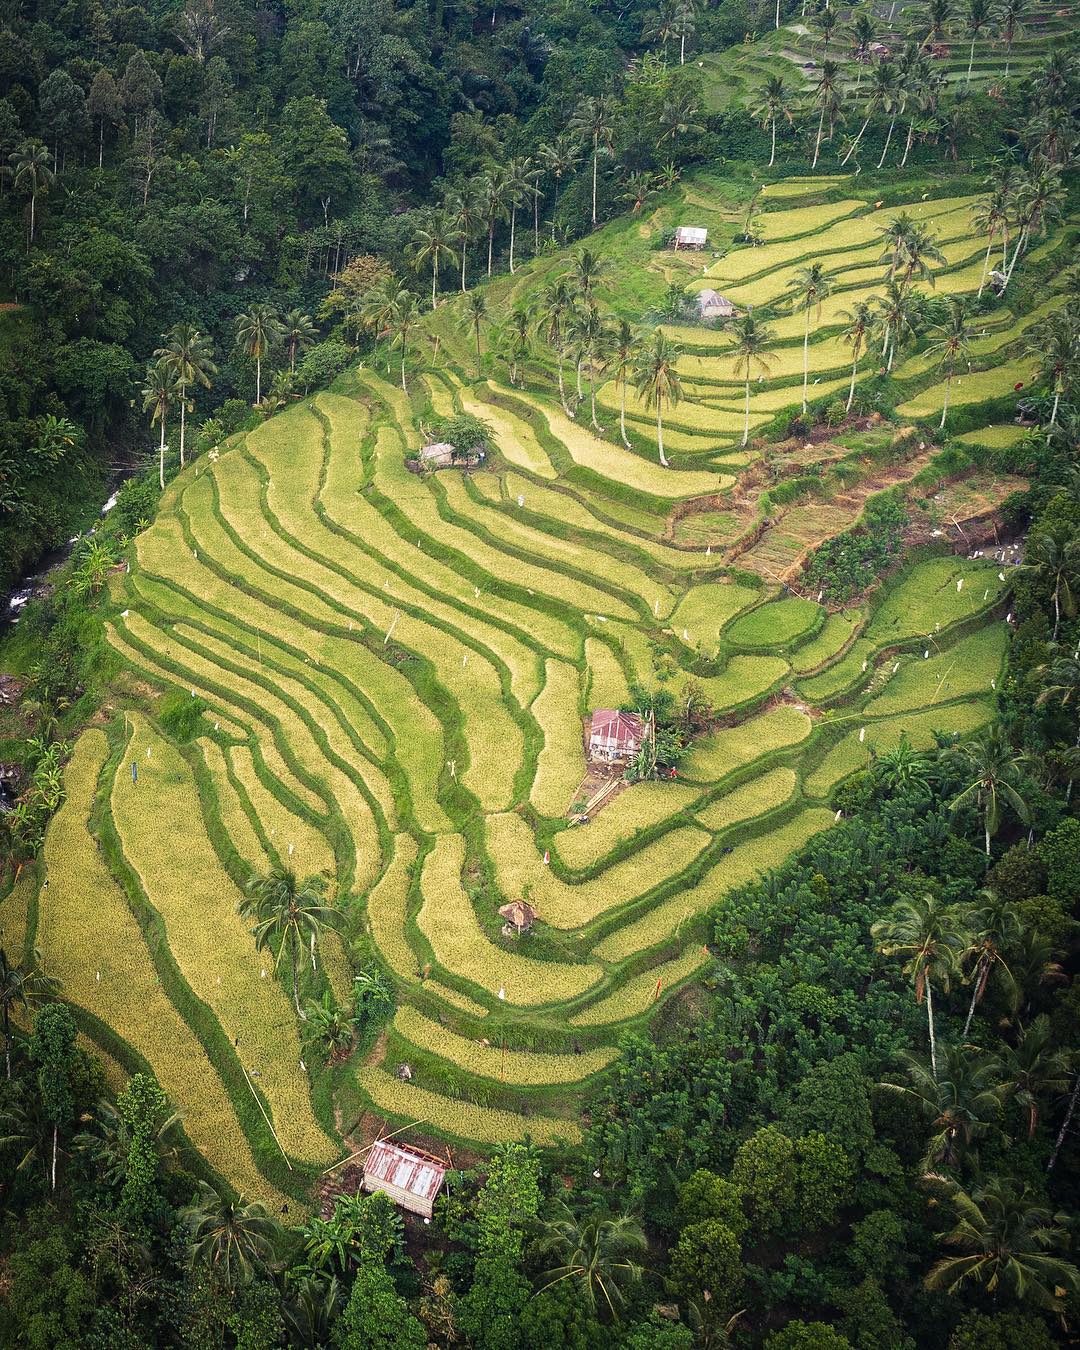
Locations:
(836, 413)
(322, 362)
(852, 561)
(181, 716)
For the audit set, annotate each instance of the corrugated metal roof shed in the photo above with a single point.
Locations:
(615, 735)
(410, 1177)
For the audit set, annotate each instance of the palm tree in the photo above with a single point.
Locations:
(891, 105)
(960, 1102)
(187, 353)
(377, 309)
(978, 16)
(290, 911)
(882, 94)
(464, 207)
(902, 766)
(992, 215)
(258, 332)
(951, 345)
(234, 1241)
(859, 322)
(491, 192)
(1052, 557)
(938, 14)
(894, 237)
(556, 314)
(560, 158)
(298, 332)
(588, 268)
(828, 95)
(592, 339)
(1056, 343)
(476, 309)
(158, 395)
(520, 326)
(1040, 198)
(1006, 1240)
(861, 33)
(1011, 15)
(516, 185)
(622, 361)
(30, 171)
(809, 290)
(677, 117)
(685, 24)
(928, 933)
(991, 926)
(774, 101)
(994, 770)
(405, 317)
(896, 313)
(20, 987)
(596, 1254)
(657, 380)
(592, 121)
(918, 250)
(1033, 1069)
(752, 337)
(827, 21)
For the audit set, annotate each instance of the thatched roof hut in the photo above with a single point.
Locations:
(519, 915)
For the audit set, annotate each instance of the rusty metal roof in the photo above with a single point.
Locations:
(612, 730)
(410, 1170)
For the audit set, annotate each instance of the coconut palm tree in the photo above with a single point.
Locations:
(897, 318)
(678, 117)
(977, 16)
(289, 911)
(929, 935)
(827, 22)
(1033, 1070)
(827, 95)
(752, 338)
(775, 98)
(257, 333)
(891, 104)
(432, 247)
(1011, 16)
(991, 925)
(859, 322)
(894, 237)
(685, 24)
(405, 317)
(588, 267)
(593, 122)
(918, 249)
(560, 158)
(938, 14)
(377, 308)
(991, 216)
(476, 311)
(1040, 198)
(159, 394)
(233, 1241)
(299, 333)
(593, 341)
(901, 767)
(951, 344)
(881, 95)
(1052, 558)
(491, 193)
(1006, 1240)
(516, 186)
(657, 380)
(994, 771)
(520, 324)
(30, 173)
(596, 1254)
(958, 1100)
(808, 291)
(465, 209)
(556, 314)
(1056, 343)
(188, 354)
(861, 33)
(21, 986)
(621, 362)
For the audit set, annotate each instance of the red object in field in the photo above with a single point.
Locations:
(659, 986)
(1019, 386)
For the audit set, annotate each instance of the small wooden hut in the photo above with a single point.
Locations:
(712, 305)
(615, 736)
(409, 1176)
(519, 915)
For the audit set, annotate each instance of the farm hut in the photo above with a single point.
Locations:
(713, 305)
(519, 915)
(440, 455)
(880, 50)
(615, 736)
(690, 236)
(409, 1176)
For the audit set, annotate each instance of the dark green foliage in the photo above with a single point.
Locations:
(181, 716)
(851, 562)
(1002, 1331)
(707, 1258)
(800, 1335)
(142, 1106)
(376, 1317)
(706, 1196)
(467, 434)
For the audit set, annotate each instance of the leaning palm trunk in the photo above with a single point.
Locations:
(562, 387)
(592, 396)
(1065, 1124)
(982, 974)
(580, 391)
(888, 142)
(855, 143)
(295, 976)
(1054, 410)
(909, 143)
(595, 164)
(945, 405)
(854, 372)
(1021, 241)
(55, 1145)
(805, 360)
(930, 1028)
(772, 157)
(746, 420)
(434, 279)
(778, 15)
(971, 61)
(183, 401)
(622, 415)
(513, 221)
(817, 142)
(986, 266)
(660, 435)
(161, 456)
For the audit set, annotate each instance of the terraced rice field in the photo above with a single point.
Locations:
(397, 672)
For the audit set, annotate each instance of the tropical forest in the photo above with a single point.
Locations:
(539, 674)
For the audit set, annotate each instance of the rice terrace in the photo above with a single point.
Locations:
(394, 674)
(352, 649)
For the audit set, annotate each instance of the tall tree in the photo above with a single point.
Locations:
(560, 158)
(1055, 343)
(978, 13)
(405, 317)
(235, 1242)
(881, 96)
(476, 311)
(258, 331)
(598, 1254)
(22, 987)
(809, 290)
(159, 393)
(622, 360)
(298, 332)
(465, 208)
(1011, 16)
(556, 315)
(104, 107)
(1052, 559)
(657, 380)
(858, 323)
(53, 1050)
(752, 338)
(991, 925)
(1034, 1069)
(775, 99)
(951, 344)
(290, 912)
(188, 355)
(928, 934)
(593, 122)
(431, 246)
(993, 770)
(827, 96)
(491, 192)
(30, 173)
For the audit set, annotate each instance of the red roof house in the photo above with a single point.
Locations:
(615, 735)
(409, 1176)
